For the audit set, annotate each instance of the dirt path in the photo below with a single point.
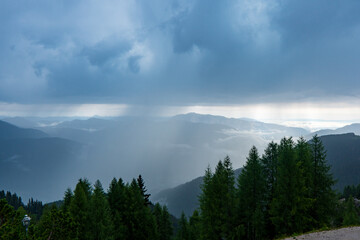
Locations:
(351, 233)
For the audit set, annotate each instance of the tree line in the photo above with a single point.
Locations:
(88, 212)
(287, 190)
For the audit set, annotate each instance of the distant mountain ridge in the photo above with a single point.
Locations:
(246, 124)
(166, 151)
(9, 131)
(352, 128)
(34, 164)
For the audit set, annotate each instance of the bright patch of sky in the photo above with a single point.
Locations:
(306, 115)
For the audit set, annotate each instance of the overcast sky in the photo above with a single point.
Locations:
(185, 53)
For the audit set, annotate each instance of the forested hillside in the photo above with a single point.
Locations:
(342, 154)
(286, 190)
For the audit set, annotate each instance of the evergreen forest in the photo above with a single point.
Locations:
(287, 190)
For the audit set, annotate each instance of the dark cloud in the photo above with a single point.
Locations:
(179, 52)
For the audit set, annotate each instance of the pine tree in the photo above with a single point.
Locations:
(100, 217)
(163, 223)
(194, 226)
(183, 232)
(251, 194)
(207, 211)
(351, 216)
(116, 199)
(7, 221)
(269, 161)
(79, 208)
(217, 202)
(141, 183)
(304, 161)
(322, 193)
(56, 224)
(68, 196)
(140, 223)
(289, 204)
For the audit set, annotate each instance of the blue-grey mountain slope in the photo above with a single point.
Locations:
(34, 164)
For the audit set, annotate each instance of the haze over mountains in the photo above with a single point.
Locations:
(343, 155)
(166, 151)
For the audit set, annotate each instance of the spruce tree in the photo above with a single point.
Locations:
(217, 202)
(79, 208)
(269, 161)
(117, 201)
(322, 192)
(251, 194)
(141, 183)
(67, 200)
(194, 226)
(351, 216)
(100, 217)
(163, 223)
(289, 204)
(303, 158)
(56, 224)
(207, 211)
(184, 231)
(137, 218)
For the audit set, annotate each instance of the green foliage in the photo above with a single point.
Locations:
(289, 205)
(141, 183)
(194, 226)
(68, 196)
(251, 195)
(100, 217)
(269, 162)
(351, 216)
(163, 223)
(12, 199)
(10, 222)
(217, 202)
(184, 231)
(321, 189)
(56, 224)
(80, 206)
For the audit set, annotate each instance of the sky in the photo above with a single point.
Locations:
(274, 60)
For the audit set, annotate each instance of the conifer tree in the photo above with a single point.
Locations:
(269, 161)
(251, 194)
(100, 217)
(194, 226)
(206, 206)
(322, 193)
(304, 161)
(184, 231)
(67, 200)
(141, 183)
(137, 218)
(351, 216)
(56, 224)
(217, 202)
(79, 208)
(116, 199)
(8, 221)
(289, 204)
(163, 223)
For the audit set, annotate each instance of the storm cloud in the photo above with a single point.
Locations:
(178, 52)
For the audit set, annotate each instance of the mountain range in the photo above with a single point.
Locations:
(33, 163)
(165, 151)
